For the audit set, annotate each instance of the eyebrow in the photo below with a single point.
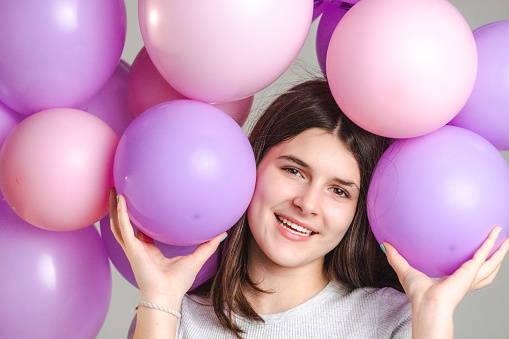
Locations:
(303, 164)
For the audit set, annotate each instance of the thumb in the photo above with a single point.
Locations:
(400, 265)
(205, 250)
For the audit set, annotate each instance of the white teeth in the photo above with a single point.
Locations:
(294, 228)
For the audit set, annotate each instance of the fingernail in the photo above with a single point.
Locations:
(118, 200)
(382, 247)
(501, 229)
(224, 237)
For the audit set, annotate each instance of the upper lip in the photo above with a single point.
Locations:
(297, 222)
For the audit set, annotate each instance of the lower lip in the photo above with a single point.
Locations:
(289, 235)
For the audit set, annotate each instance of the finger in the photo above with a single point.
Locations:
(490, 268)
(400, 265)
(487, 280)
(483, 252)
(126, 229)
(115, 228)
(205, 250)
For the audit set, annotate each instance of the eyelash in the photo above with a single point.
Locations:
(294, 171)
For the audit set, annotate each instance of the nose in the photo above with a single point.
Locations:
(308, 200)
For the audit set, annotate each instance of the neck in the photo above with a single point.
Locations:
(287, 287)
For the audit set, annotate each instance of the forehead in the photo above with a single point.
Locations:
(322, 151)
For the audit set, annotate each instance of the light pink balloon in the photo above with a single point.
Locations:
(224, 50)
(56, 167)
(402, 68)
(146, 88)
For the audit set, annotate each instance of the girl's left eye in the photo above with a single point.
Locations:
(339, 191)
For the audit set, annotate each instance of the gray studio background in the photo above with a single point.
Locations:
(482, 314)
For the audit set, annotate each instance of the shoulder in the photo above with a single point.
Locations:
(386, 309)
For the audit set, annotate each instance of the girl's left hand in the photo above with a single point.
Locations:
(445, 294)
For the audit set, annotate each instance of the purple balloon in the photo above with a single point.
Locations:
(110, 104)
(8, 120)
(58, 53)
(121, 263)
(333, 12)
(187, 172)
(437, 197)
(54, 284)
(318, 8)
(487, 110)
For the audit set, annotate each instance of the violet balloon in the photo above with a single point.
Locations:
(487, 109)
(187, 171)
(332, 13)
(8, 120)
(54, 284)
(58, 53)
(121, 263)
(437, 197)
(110, 104)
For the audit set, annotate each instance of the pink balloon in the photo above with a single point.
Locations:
(56, 169)
(54, 284)
(110, 104)
(437, 197)
(225, 50)
(187, 171)
(402, 68)
(147, 88)
(58, 53)
(121, 263)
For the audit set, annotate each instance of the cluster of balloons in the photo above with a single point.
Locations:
(404, 70)
(166, 131)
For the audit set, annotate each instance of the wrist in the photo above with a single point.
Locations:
(163, 299)
(432, 319)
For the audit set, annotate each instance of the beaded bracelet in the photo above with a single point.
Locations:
(159, 307)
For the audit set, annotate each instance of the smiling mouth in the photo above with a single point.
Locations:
(294, 228)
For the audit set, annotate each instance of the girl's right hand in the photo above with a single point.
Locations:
(158, 277)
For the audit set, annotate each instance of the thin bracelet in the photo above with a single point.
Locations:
(159, 307)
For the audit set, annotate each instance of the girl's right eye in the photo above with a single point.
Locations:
(292, 171)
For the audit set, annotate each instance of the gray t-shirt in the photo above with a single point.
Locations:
(333, 313)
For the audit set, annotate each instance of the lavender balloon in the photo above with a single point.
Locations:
(54, 284)
(333, 12)
(110, 104)
(58, 53)
(187, 172)
(121, 263)
(487, 110)
(437, 197)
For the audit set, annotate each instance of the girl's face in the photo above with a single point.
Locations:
(305, 199)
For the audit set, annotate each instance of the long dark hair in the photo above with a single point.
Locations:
(357, 261)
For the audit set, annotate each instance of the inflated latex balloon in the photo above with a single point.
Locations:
(8, 120)
(401, 68)
(121, 263)
(147, 88)
(58, 53)
(332, 13)
(54, 284)
(437, 197)
(110, 104)
(224, 50)
(56, 167)
(187, 172)
(487, 109)
(318, 6)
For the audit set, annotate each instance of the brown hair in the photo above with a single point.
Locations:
(357, 261)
